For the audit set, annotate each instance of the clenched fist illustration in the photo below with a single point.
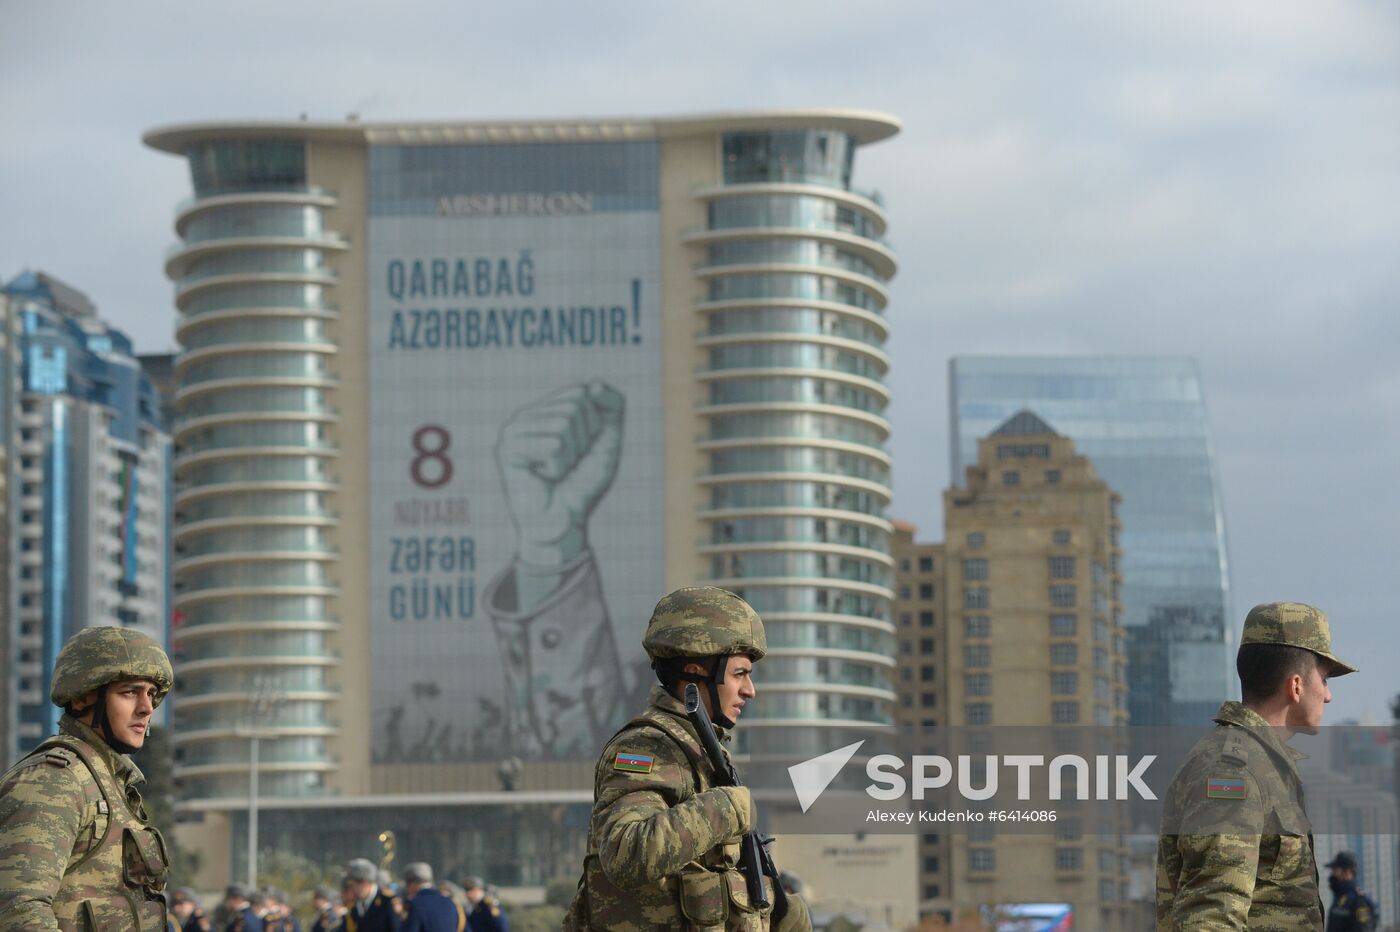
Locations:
(557, 457)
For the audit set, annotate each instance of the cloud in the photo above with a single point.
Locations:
(1215, 180)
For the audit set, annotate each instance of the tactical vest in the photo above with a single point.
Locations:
(118, 865)
(708, 895)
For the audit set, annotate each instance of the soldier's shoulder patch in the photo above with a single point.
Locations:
(1233, 752)
(632, 762)
(1226, 788)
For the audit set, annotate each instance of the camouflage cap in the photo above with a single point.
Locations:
(1295, 625)
(704, 621)
(95, 657)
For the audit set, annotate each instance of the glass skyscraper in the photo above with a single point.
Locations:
(457, 402)
(1142, 422)
(90, 467)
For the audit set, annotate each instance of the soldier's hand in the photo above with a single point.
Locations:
(742, 801)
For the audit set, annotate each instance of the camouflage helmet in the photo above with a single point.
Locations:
(704, 621)
(95, 657)
(1295, 625)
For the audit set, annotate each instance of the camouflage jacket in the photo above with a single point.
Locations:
(1236, 849)
(78, 852)
(663, 842)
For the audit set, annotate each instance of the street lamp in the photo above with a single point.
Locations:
(262, 703)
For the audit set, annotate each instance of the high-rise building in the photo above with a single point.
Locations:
(89, 526)
(1142, 421)
(9, 605)
(1034, 638)
(922, 665)
(457, 402)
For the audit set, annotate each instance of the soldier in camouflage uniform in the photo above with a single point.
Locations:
(78, 850)
(1236, 849)
(663, 844)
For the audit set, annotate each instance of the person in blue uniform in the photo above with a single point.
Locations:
(238, 905)
(375, 909)
(1352, 910)
(486, 914)
(323, 900)
(428, 910)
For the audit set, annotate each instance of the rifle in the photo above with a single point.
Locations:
(755, 862)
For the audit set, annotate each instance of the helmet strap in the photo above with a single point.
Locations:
(103, 726)
(711, 681)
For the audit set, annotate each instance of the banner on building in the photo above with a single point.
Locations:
(516, 458)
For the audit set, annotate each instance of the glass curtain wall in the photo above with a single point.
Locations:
(793, 271)
(256, 470)
(1142, 422)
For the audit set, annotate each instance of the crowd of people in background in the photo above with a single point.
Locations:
(368, 900)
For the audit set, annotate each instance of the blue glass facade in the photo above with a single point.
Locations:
(1142, 422)
(72, 366)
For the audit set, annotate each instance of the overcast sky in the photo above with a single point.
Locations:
(1219, 180)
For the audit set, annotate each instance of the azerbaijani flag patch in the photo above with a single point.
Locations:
(1226, 788)
(632, 763)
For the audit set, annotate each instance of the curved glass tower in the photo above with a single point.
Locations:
(793, 401)
(255, 469)
(458, 402)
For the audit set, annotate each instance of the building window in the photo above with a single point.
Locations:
(904, 565)
(1102, 689)
(928, 700)
(977, 626)
(1069, 859)
(1100, 630)
(1020, 451)
(925, 619)
(1052, 476)
(1062, 596)
(975, 540)
(977, 597)
(907, 675)
(1064, 654)
(1064, 684)
(1066, 713)
(904, 592)
(1061, 538)
(974, 569)
(1102, 715)
(977, 655)
(1100, 660)
(1062, 567)
(905, 647)
(926, 673)
(977, 684)
(925, 564)
(925, 590)
(1069, 829)
(1011, 477)
(904, 619)
(1063, 626)
(932, 891)
(982, 859)
(925, 646)
(1099, 573)
(979, 713)
(1100, 601)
